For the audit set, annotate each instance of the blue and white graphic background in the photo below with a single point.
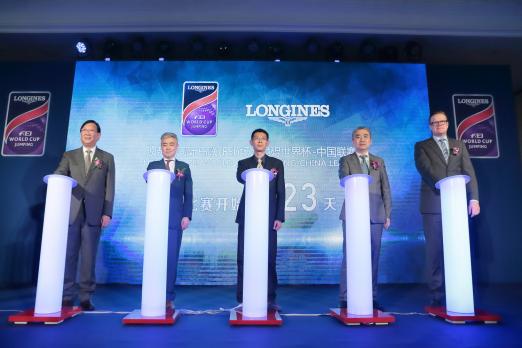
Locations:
(135, 102)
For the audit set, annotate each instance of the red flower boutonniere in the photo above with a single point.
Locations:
(274, 171)
(455, 151)
(374, 164)
(98, 163)
(180, 174)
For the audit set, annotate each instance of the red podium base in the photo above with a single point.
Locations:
(135, 318)
(378, 317)
(480, 316)
(29, 316)
(272, 319)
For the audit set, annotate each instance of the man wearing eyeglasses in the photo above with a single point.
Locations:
(92, 203)
(436, 158)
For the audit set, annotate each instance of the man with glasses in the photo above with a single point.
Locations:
(436, 158)
(91, 210)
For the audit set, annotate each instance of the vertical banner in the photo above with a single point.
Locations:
(475, 124)
(199, 115)
(26, 124)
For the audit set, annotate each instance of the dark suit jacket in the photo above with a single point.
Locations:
(180, 192)
(380, 194)
(276, 187)
(432, 167)
(96, 188)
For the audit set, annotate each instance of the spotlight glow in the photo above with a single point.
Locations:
(81, 47)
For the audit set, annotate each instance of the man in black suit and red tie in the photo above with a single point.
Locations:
(259, 140)
(180, 207)
(436, 158)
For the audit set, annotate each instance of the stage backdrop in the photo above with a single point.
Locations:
(309, 109)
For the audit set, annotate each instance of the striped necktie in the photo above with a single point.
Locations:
(88, 161)
(444, 147)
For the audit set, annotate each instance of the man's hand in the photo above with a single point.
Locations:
(105, 221)
(277, 225)
(185, 222)
(474, 208)
(387, 223)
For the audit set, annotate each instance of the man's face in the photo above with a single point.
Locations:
(362, 140)
(439, 125)
(259, 142)
(169, 146)
(89, 135)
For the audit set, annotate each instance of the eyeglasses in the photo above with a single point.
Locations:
(438, 123)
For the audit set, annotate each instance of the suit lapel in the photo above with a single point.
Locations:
(355, 164)
(96, 154)
(81, 161)
(435, 147)
(373, 172)
(266, 165)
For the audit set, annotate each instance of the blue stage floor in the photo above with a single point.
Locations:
(305, 323)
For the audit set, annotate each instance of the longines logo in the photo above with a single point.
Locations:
(287, 113)
(201, 88)
(473, 102)
(29, 99)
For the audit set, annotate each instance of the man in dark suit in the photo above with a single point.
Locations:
(436, 158)
(276, 216)
(363, 162)
(180, 209)
(91, 210)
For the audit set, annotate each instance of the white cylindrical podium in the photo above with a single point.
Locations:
(358, 244)
(255, 260)
(153, 297)
(49, 289)
(455, 234)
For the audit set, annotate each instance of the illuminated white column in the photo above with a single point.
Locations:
(255, 259)
(358, 244)
(455, 233)
(154, 286)
(49, 289)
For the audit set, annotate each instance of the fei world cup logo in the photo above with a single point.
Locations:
(475, 124)
(199, 113)
(26, 124)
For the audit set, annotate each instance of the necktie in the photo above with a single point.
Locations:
(444, 148)
(259, 163)
(167, 164)
(364, 165)
(87, 161)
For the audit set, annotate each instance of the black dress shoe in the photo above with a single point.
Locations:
(274, 306)
(67, 303)
(377, 305)
(87, 306)
(169, 305)
(343, 304)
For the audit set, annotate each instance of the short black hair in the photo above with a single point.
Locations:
(259, 130)
(98, 128)
(437, 112)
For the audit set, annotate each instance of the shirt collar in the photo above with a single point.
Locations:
(93, 150)
(437, 139)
